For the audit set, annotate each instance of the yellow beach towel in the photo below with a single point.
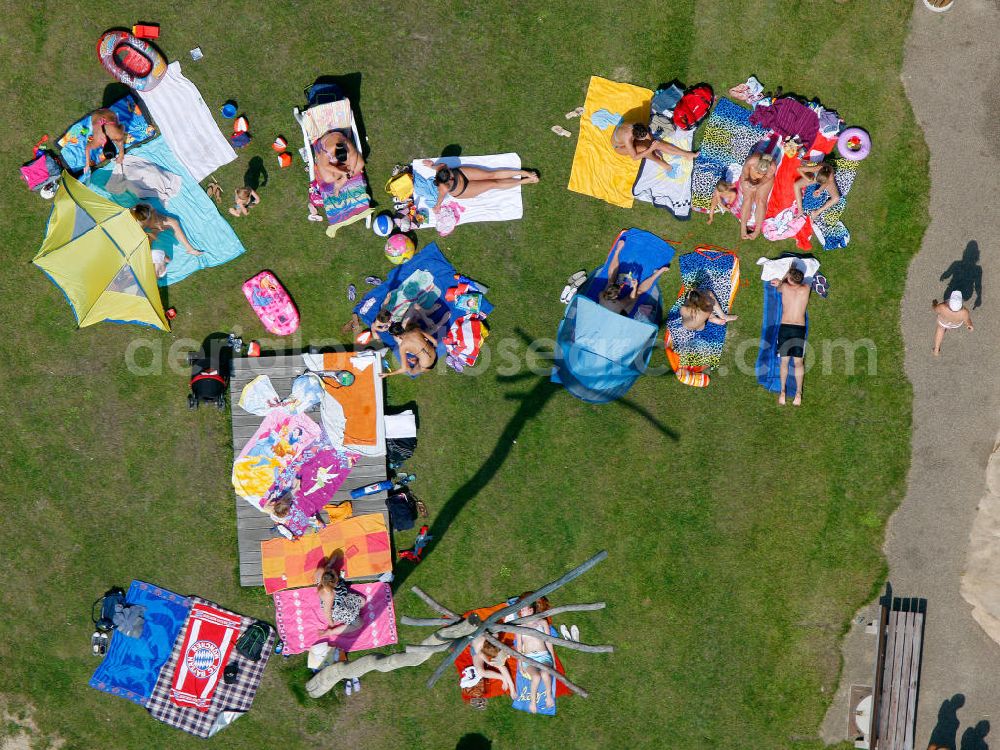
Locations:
(597, 169)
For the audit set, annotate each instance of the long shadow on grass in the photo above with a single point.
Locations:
(532, 402)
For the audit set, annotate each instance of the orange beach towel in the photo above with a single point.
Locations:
(358, 400)
(363, 540)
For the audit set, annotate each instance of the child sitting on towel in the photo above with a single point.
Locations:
(727, 197)
(288, 517)
(490, 664)
(537, 649)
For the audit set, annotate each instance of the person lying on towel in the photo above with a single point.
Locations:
(538, 650)
(792, 331)
(337, 159)
(701, 307)
(621, 294)
(634, 140)
(490, 664)
(417, 351)
(465, 182)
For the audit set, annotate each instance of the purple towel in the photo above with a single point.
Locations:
(788, 117)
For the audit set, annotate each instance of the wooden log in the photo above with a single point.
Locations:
(326, 679)
(433, 604)
(549, 587)
(588, 607)
(555, 640)
(537, 665)
(423, 622)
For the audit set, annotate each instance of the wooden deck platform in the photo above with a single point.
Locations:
(253, 526)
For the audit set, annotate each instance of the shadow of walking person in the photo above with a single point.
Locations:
(966, 275)
(974, 738)
(945, 733)
(256, 175)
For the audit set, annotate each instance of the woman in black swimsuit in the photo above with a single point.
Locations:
(467, 182)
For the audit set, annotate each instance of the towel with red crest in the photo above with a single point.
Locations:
(208, 641)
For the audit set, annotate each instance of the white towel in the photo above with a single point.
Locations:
(403, 425)
(777, 268)
(186, 124)
(143, 179)
(494, 205)
(669, 189)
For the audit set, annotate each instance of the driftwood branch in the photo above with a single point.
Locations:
(328, 678)
(528, 661)
(554, 640)
(588, 607)
(421, 622)
(457, 647)
(548, 588)
(436, 606)
(433, 648)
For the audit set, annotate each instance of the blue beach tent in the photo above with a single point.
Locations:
(600, 353)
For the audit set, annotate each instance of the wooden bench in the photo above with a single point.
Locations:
(897, 672)
(253, 526)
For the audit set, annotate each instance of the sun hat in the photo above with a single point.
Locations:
(955, 301)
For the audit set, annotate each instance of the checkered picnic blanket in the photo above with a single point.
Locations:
(363, 540)
(237, 697)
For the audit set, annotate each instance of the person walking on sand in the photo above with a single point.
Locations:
(950, 314)
(792, 331)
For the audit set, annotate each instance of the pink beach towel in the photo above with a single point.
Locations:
(300, 619)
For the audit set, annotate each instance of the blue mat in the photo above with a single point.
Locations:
(422, 281)
(198, 215)
(132, 665)
(522, 684)
(642, 253)
(768, 362)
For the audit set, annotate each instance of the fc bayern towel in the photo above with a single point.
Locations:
(208, 640)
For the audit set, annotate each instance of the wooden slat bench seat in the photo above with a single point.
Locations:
(897, 672)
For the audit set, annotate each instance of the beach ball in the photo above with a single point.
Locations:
(382, 225)
(399, 248)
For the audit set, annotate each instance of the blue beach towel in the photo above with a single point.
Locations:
(132, 665)
(522, 685)
(423, 281)
(768, 362)
(198, 215)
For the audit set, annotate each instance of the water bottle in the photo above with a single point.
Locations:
(371, 489)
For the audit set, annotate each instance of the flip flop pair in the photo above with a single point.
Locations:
(573, 283)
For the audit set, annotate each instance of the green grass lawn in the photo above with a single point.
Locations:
(741, 537)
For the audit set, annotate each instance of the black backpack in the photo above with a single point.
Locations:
(251, 644)
(402, 508)
(105, 623)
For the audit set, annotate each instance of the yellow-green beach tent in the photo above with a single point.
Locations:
(99, 256)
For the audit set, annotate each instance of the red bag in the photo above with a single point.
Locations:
(693, 106)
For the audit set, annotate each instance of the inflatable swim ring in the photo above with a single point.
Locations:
(133, 61)
(854, 144)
